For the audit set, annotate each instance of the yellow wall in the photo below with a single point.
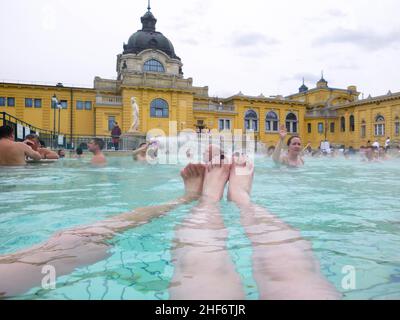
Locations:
(43, 117)
(180, 109)
(181, 103)
(262, 108)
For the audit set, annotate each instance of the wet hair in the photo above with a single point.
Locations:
(271, 148)
(142, 144)
(42, 143)
(99, 142)
(291, 138)
(79, 151)
(32, 136)
(6, 132)
(59, 153)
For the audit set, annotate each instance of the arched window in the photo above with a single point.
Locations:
(342, 124)
(271, 122)
(153, 65)
(352, 124)
(379, 125)
(251, 121)
(291, 123)
(363, 129)
(397, 126)
(159, 109)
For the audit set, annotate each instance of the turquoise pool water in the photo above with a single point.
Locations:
(349, 210)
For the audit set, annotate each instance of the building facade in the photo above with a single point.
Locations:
(149, 71)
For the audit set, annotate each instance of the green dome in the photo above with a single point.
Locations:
(149, 38)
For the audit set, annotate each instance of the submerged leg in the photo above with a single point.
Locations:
(203, 267)
(69, 249)
(283, 263)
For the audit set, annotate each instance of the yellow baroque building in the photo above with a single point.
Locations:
(150, 72)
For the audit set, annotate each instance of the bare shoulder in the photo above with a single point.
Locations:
(22, 146)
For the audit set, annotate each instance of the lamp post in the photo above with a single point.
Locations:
(54, 104)
(59, 107)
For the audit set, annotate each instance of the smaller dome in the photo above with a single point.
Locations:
(303, 88)
(322, 83)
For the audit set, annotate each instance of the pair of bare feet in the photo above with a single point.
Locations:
(207, 181)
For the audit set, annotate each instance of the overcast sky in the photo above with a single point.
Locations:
(253, 46)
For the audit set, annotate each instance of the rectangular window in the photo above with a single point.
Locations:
(79, 105)
(397, 128)
(380, 129)
(224, 124)
(28, 103)
(309, 127)
(320, 127)
(111, 121)
(88, 105)
(2, 101)
(332, 127)
(38, 103)
(11, 102)
(221, 124)
(64, 104)
(363, 131)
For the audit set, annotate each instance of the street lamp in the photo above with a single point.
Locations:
(54, 101)
(59, 107)
(55, 105)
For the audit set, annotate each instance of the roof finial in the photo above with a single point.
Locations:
(322, 74)
(303, 81)
(148, 7)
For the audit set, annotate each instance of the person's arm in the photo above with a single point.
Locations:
(29, 152)
(47, 154)
(305, 148)
(136, 152)
(276, 156)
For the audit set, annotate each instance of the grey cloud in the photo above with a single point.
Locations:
(336, 13)
(346, 66)
(189, 42)
(252, 53)
(365, 39)
(252, 39)
(308, 77)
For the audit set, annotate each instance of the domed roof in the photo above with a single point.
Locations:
(149, 38)
(322, 83)
(303, 88)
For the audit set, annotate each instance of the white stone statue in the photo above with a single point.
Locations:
(135, 116)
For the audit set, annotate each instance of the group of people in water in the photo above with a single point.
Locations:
(14, 153)
(282, 261)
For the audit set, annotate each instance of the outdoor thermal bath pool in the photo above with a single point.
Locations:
(349, 210)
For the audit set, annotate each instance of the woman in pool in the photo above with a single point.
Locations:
(293, 156)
